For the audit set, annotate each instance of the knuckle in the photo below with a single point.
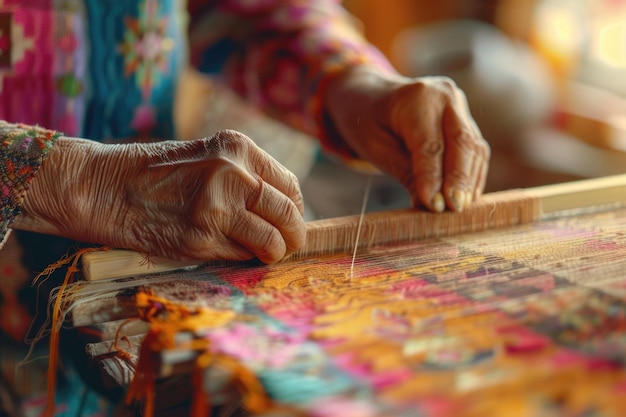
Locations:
(466, 139)
(227, 141)
(442, 84)
(263, 166)
(431, 148)
(229, 135)
(429, 87)
(254, 198)
(470, 143)
(413, 94)
(446, 83)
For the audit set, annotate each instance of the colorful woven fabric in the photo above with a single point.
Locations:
(525, 321)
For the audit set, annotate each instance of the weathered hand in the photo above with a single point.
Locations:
(216, 198)
(418, 130)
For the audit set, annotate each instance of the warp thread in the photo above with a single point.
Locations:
(368, 187)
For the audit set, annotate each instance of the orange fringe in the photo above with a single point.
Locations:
(167, 319)
(55, 326)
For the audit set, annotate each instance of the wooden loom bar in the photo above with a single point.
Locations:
(338, 235)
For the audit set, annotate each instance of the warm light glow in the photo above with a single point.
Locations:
(558, 29)
(610, 44)
(617, 136)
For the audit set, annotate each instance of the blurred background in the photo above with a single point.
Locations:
(545, 79)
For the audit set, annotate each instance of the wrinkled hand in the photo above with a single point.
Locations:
(419, 130)
(216, 198)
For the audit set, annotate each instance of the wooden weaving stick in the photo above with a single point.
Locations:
(338, 235)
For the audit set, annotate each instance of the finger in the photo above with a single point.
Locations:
(280, 211)
(284, 181)
(417, 127)
(480, 164)
(462, 153)
(258, 236)
(480, 167)
(476, 171)
(425, 143)
(276, 175)
(204, 248)
(483, 168)
(240, 148)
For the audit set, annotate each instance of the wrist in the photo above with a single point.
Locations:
(73, 186)
(348, 98)
(359, 80)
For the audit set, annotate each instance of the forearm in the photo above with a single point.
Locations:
(280, 56)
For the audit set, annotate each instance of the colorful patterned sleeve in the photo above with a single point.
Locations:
(279, 54)
(22, 149)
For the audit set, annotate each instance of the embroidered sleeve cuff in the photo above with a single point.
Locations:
(23, 149)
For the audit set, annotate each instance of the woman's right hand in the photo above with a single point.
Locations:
(207, 199)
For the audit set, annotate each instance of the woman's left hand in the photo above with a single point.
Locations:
(419, 130)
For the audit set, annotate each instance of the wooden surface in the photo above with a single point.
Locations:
(494, 210)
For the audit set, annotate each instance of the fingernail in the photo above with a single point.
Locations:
(438, 203)
(458, 199)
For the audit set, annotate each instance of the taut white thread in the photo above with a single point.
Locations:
(368, 187)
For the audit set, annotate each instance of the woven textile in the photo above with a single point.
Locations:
(523, 321)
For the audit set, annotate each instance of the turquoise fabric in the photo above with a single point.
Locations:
(132, 77)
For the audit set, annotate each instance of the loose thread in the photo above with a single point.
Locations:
(55, 328)
(122, 352)
(201, 402)
(168, 319)
(366, 195)
(142, 387)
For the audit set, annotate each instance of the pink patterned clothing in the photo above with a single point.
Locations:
(107, 70)
(279, 54)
